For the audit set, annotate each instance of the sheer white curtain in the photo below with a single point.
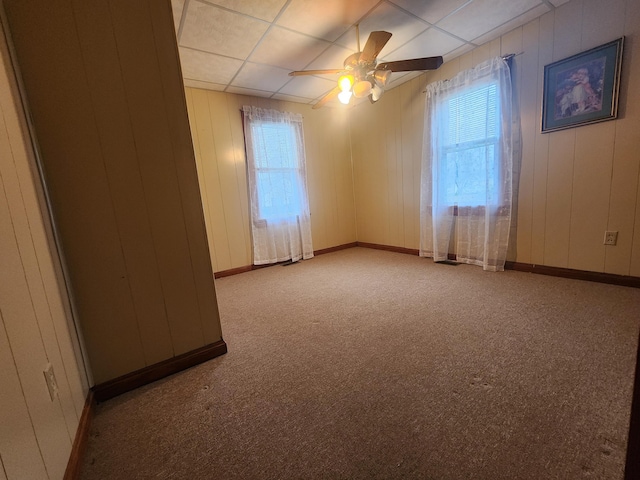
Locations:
(467, 164)
(280, 220)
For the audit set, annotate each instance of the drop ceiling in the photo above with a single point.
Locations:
(249, 46)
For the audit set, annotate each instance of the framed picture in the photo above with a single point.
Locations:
(582, 89)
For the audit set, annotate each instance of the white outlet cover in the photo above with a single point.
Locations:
(50, 379)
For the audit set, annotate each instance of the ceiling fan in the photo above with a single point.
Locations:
(362, 76)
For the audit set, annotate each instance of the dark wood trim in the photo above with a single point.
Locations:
(248, 268)
(389, 248)
(610, 278)
(322, 251)
(233, 271)
(133, 380)
(80, 442)
(632, 468)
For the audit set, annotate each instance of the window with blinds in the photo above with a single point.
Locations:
(277, 169)
(468, 172)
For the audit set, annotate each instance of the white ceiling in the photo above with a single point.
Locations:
(249, 46)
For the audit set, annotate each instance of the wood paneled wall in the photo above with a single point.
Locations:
(104, 88)
(574, 184)
(216, 126)
(36, 327)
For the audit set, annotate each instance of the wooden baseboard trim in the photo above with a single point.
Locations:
(610, 278)
(248, 268)
(133, 380)
(233, 271)
(80, 442)
(335, 249)
(389, 248)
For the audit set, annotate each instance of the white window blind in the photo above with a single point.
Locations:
(469, 175)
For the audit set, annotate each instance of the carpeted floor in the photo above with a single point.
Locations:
(365, 364)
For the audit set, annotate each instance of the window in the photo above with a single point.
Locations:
(276, 173)
(469, 173)
(467, 166)
(277, 170)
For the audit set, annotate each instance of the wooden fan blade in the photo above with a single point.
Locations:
(298, 73)
(427, 63)
(375, 43)
(329, 96)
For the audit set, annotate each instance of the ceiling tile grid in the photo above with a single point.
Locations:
(250, 46)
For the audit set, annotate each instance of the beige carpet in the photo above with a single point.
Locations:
(365, 364)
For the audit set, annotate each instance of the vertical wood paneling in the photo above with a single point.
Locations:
(53, 320)
(559, 191)
(113, 129)
(389, 174)
(19, 450)
(132, 25)
(590, 195)
(36, 434)
(24, 322)
(68, 138)
(207, 160)
(221, 119)
(602, 22)
(184, 159)
(561, 149)
(239, 159)
(545, 41)
(626, 173)
(527, 64)
(117, 143)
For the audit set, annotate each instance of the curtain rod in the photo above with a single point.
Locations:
(506, 58)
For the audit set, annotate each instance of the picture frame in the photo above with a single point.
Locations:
(582, 89)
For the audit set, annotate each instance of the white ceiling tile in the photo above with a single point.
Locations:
(557, 3)
(216, 30)
(308, 86)
(263, 9)
(331, 58)
(327, 19)
(511, 24)
(208, 67)
(431, 43)
(431, 11)
(287, 49)
(481, 16)
(261, 77)
(389, 18)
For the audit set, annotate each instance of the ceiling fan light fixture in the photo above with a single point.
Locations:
(344, 97)
(382, 77)
(376, 92)
(345, 82)
(361, 89)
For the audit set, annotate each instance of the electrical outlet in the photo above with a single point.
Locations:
(610, 238)
(50, 379)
